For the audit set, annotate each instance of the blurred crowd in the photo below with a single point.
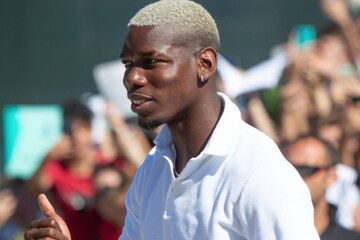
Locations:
(307, 94)
(86, 175)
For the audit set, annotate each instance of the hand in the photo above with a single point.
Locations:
(51, 227)
(325, 63)
(117, 121)
(62, 150)
(8, 204)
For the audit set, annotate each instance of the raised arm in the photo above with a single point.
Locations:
(131, 141)
(338, 12)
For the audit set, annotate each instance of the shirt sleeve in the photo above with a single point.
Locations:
(131, 230)
(276, 205)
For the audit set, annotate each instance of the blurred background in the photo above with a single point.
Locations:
(49, 48)
(49, 51)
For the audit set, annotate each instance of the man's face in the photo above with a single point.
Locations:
(81, 135)
(160, 76)
(311, 153)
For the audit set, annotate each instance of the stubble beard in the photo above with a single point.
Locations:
(150, 124)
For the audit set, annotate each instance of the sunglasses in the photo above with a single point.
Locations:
(306, 171)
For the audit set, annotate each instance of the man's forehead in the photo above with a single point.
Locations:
(145, 38)
(308, 151)
(157, 32)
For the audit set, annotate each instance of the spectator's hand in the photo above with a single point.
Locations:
(51, 227)
(117, 121)
(324, 63)
(297, 58)
(336, 10)
(8, 204)
(62, 150)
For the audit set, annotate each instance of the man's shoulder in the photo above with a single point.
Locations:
(255, 147)
(154, 161)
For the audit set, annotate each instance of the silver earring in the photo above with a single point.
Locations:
(201, 78)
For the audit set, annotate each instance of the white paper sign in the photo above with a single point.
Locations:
(109, 80)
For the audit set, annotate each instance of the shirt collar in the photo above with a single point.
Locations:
(223, 132)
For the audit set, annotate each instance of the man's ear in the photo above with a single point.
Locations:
(332, 176)
(207, 61)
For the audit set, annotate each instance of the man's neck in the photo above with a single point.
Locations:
(321, 216)
(191, 138)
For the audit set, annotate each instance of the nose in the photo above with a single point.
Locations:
(134, 78)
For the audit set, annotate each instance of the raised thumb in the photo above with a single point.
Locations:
(49, 212)
(46, 207)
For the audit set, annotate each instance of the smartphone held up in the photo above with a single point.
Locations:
(304, 36)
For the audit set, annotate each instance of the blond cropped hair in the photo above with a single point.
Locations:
(193, 23)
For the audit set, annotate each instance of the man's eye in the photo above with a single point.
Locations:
(127, 63)
(151, 61)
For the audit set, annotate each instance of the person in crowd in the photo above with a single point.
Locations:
(68, 171)
(315, 159)
(111, 184)
(192, 185)
(335, 69)
(338, 11)
(17, 208)
(129, 139)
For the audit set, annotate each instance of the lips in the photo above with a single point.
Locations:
(139, 98)
(139, 102)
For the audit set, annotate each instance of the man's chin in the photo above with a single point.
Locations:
(150, 124)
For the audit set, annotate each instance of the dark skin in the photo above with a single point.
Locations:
(162, 78)
(51, 227)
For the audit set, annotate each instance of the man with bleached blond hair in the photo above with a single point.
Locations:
(210, 175)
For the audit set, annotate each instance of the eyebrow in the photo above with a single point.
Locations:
(147, 54)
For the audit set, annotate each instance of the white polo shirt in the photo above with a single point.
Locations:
(239, 187)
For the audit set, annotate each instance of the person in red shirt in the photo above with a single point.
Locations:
(68, 172)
